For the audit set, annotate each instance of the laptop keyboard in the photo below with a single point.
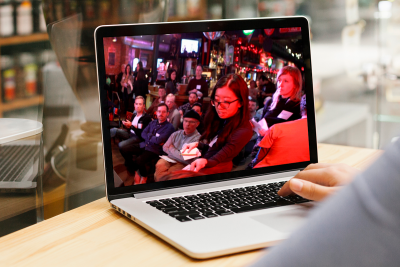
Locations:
(225, 202)
(14, 161)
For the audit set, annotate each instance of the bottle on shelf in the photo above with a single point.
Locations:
(24, 18)
(8, 78)
(29, 68)
(6, 18)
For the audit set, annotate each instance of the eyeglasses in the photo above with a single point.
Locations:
(190, 122)
(224, 105)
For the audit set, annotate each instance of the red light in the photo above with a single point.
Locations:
(302, 68)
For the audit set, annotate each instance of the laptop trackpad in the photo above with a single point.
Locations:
(284, 221)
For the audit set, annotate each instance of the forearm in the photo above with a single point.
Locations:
(175, 153)
(356, 227)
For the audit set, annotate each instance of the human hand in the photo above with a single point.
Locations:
(189, 147)
(198, 164)
(262, 132)
(319, 180)
(127, 123)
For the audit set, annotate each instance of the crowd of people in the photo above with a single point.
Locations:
(264, 122)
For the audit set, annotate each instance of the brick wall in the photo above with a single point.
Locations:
(122, 54)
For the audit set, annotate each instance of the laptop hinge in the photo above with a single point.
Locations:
(242, 180)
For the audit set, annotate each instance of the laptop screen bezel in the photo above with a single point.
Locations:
(200, 26)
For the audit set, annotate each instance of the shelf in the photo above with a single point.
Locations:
(22, 103)
(22, 39)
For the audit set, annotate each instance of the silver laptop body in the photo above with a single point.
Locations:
(220, 235)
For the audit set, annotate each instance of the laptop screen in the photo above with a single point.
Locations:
(190, 104)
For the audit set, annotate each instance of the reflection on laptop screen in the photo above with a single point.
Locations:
(205, 103)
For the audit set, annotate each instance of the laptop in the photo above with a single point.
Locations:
(218, 213)
(20, 155)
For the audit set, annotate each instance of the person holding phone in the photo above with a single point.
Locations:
(131, 134)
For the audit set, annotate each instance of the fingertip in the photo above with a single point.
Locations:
(296, 185)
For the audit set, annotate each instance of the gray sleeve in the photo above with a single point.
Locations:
(170, 149)
(359, 226)
(169, 142)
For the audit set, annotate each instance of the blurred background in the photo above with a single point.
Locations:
(48, 74)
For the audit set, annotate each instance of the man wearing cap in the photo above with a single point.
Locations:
(174, 144)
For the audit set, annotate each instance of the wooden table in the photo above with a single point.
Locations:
(95, 235)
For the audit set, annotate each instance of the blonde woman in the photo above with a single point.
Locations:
(285, 103)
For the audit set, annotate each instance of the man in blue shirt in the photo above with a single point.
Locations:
(148, 151)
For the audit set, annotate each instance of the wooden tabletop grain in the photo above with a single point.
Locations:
(95, 235)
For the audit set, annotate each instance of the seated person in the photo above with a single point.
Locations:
(285, 103)
(286, 142)
(253, 91)
(132, 130)
(265, 88)
(198, 108)
(174, 116)
(198, 85)
(154, 135)
(227, 129)
(185, 107)
(160, 99)
(172, 147)
(260, 111)
(246, 151)
(253, 106)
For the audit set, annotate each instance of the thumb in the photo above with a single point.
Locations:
(310, 190)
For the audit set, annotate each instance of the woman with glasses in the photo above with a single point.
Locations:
(285, 103)
(227, 127)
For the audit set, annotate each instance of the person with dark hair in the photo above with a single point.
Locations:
(198, 85)
(285, 142)
(160, 99)
(172, 147)
(139, 67)
(285, 103)
(253, 91)
(148, 151)
(188, 106)
(174, 116)
(170, 85)
(253, 107)
(246, 151)
(127, 85)
(118, 80)
(198, 107)
(266, 88)
(140, 87)
(227, 128)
